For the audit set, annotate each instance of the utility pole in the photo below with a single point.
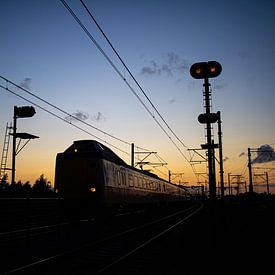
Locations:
(267, 185)
(238, 182)
(266, 179)
(250, 172)
(132, 155)
(13, 145)
(173, 174)
(220, 152)
(259, 151)
(229, 187)
(212, 182)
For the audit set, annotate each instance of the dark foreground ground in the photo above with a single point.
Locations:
(235, 236)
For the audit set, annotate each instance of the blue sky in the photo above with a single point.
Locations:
(159, 41)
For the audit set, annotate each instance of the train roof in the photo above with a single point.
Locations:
(93, 147)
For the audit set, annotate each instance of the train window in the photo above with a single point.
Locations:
(139, 183)
(136, 181)
(164, 187)
(130, 180)
(143, 183)
(118, 177)
(106, 174)
(114, 176)
(123, 177)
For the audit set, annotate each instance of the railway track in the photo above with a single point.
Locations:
(115, 249)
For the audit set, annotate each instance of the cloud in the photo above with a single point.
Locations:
(172, 65)
(264, 154)
(219, 84)
(78, 115)
(171, 101)
(99, 117)
(26, 83)
(148, 71)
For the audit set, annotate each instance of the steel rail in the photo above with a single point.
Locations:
(110, 238)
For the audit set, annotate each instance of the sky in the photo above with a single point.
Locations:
(45, 51)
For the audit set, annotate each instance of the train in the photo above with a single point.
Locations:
(89, 170)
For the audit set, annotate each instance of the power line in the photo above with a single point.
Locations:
(61, 118)
(121, 75)
(66, 113)
(130, 73)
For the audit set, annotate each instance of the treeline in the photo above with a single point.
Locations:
(41, 188)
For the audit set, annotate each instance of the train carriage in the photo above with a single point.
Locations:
(89, 170)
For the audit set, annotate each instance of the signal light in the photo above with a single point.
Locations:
(214, 68)
(199, 70)
(208, 69)
(25, 111)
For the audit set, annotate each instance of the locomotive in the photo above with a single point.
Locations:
(89, 170)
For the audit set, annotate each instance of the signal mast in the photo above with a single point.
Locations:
(206, 70)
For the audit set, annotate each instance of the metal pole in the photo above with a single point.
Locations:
(13, 147)
(132, 154)
(229, 187)
(211, 171)
(214, 166)
(267, 185)
(250, 172)
(220, 153)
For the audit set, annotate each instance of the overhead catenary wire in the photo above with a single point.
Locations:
(61, 118)
(64, 112)
(130, 73)
(121, 75)
(67, 114)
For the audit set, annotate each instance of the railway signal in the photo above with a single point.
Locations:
(205, 118)
(20, 112)
(206, 70)
(25, 111)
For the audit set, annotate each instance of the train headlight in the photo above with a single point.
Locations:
(92, 189)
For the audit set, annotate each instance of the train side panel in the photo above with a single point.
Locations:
(127, 186)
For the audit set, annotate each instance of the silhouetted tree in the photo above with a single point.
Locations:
(15, 189)
(4, 182)
(4, 185)
(42, 187)
(27, 189)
